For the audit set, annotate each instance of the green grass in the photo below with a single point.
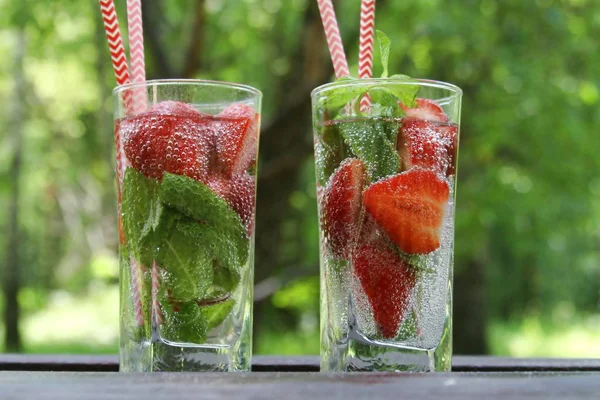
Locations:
(75, 324)
(533, 336)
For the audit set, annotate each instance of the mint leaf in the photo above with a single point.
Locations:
(384, 49)
(225, 278)
(373, 140)
(221, 246)
(384, 98)
(215, 314)
(186, 265)
(198, 201)
(183, 322)
(407, 94)
(139, 207)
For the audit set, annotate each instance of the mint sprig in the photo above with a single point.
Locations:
(384, 51)
(384, 97)
(199, 243)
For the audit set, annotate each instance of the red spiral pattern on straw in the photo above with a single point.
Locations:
(365, 52)
(120, 67)
(136, 52)
(115, 42)
(334, 40)
(155, 286)
(136, 290)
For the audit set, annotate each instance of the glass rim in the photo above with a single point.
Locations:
(189, 82)
(455, 91)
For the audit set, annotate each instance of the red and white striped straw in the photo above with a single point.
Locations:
(155, 286)
(120, 67)
(334, 40)
(137, 278)
(136, 51)
(115, 42)
(365, 52)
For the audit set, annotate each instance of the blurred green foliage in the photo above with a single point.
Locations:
(528, 206)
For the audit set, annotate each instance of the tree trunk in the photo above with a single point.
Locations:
(11, 280)
(469, 319)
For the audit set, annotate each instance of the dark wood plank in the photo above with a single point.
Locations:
(510, 364)
(298, 385)
(27, 362)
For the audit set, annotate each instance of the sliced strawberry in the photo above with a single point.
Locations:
(409, 207)
(388, 281)
(426, 109)
(428, 144)
(341, 206)
(237, 138)
(158, 143)
(239, 192)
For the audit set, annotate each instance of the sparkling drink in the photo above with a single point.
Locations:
(386, 187)
(186, 162)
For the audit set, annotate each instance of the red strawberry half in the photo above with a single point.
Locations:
(388, 281)
(426, 109)
(428, 144)
(409, 207)
(158, 143)
(341, 206)
(237, 138)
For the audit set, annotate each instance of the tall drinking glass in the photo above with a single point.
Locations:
(385, 152)
(186, 163)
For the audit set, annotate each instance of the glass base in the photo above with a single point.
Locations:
(173, 357)
(363, 356)
(356, 353)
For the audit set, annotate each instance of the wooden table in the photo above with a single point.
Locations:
(490, 378)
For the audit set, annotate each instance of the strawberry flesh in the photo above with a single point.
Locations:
(341, 206)
(388, 281)
(426, 109)
(427, 144)
(239, 192)
(450, 134)
(409, 208)
(155, 143)
(175, 108)
(237, 138)
(242, 192)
